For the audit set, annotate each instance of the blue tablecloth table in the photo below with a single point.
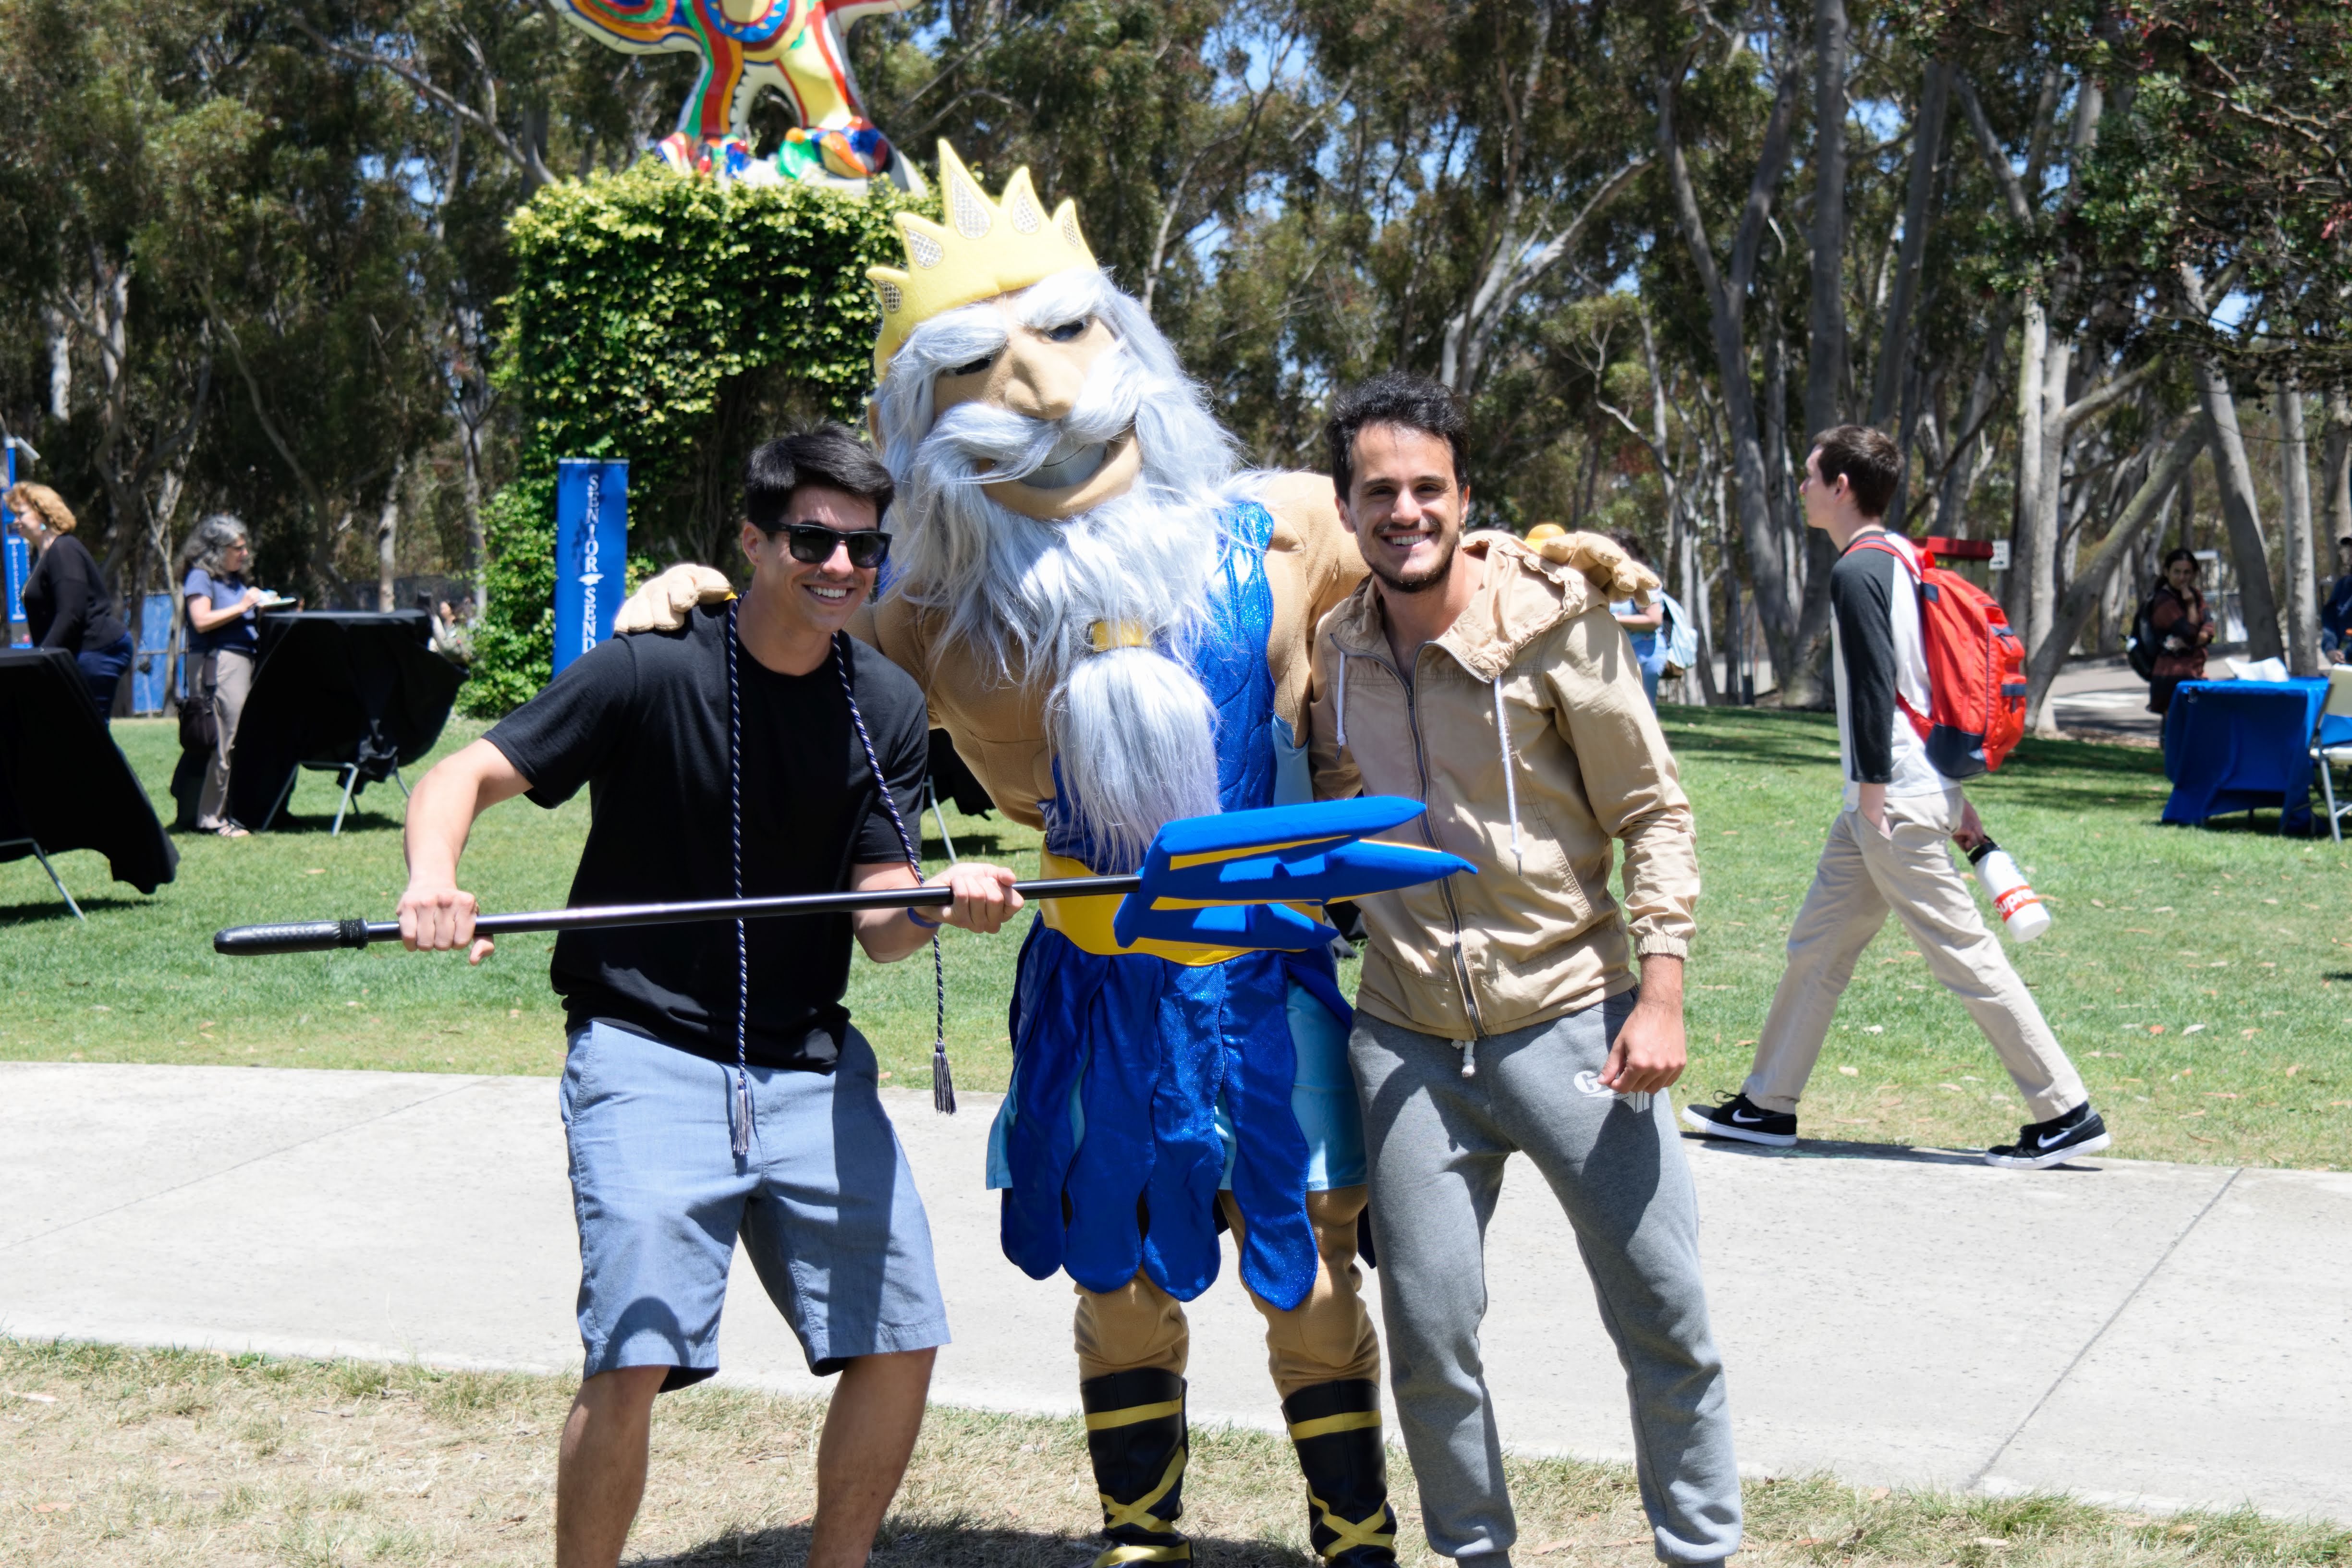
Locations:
(2235, 745)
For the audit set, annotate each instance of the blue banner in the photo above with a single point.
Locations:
(150, 670)
(15, 558)
(591, 553)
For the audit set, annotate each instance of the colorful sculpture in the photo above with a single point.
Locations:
(792, 46)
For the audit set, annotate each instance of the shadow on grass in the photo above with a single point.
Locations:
(1835, 1149)
(53, 908)
(359, 820)
(1769, 736)
(951, 1544)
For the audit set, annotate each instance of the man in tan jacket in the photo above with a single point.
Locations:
(1501, 1012)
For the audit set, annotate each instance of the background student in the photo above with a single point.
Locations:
(1889, 847)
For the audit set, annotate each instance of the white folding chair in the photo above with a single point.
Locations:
(2326, 758)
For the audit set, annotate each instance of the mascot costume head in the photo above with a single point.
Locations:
(1061, 484)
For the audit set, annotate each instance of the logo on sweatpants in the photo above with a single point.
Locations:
(1588, 1083)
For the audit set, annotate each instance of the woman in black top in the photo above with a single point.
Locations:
(2177, 617)
(66, 602)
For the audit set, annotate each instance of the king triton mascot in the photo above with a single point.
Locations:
(1113, 622)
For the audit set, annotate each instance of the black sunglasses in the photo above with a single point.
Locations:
(814, 543)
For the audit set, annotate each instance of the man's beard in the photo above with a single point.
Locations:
(1131, 729)
(1419, 581)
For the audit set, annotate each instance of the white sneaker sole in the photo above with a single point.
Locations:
(2054, 1157)
(1715, 1129)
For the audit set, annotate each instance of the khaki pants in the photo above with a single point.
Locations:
(1861, 877)
(231, 679)
(1326, 1338)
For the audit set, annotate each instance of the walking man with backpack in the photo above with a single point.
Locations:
(1887, 849)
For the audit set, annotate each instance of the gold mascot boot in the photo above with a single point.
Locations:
(1336, 1427)
(1134, 1435)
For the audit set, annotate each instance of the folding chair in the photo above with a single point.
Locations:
(2331, 746)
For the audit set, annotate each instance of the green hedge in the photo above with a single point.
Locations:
(675, 322)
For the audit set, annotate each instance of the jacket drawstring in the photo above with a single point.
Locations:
(1510, 781)
(1339, 697)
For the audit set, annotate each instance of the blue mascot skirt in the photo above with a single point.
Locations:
(1231, 1075)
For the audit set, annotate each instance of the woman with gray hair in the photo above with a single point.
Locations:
(223, 639)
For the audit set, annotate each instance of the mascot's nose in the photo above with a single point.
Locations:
(1042, 380)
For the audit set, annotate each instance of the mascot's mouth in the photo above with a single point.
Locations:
(1073, 462)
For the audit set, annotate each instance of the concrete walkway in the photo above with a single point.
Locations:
(2100, 699)
(2159, 1335)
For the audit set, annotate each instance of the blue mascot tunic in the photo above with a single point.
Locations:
(1141, 1084)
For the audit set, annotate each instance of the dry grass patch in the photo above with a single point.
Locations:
(111, 1456)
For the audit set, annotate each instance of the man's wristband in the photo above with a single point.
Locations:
(926, 925)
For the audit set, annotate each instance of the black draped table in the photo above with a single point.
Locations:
(64, 784)
(358, 694)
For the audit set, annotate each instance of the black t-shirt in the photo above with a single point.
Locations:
(642, 720)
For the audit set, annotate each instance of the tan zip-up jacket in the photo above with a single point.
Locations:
(1535, 933)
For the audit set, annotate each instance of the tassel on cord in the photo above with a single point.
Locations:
(1469, 1049)
(1510, 781)
(943, 1100)
(741, 1134)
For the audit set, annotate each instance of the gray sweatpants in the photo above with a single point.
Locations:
(1437, 1143)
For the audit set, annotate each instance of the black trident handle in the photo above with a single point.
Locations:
(325, 936)
(293, 936)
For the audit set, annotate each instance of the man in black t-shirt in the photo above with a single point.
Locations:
(713, 1086)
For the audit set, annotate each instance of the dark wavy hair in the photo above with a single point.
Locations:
(1414, 403)
(828, 454)
(1869, 460)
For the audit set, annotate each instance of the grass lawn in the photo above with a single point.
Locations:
(2200, 979)
(130, 1456)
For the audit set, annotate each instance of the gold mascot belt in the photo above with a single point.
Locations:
(1087, 921)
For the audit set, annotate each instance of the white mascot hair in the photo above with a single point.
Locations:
(1133, 730)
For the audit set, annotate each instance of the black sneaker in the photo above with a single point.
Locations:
(1740, 1117)
(2053, 1143)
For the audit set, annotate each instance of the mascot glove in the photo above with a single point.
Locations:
(1598, 558)
(664, 601)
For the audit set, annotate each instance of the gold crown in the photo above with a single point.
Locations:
(984, 249)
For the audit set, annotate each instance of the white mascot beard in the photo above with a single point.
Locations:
(1133, 731)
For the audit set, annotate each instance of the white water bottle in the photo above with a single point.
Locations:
(2021, 907)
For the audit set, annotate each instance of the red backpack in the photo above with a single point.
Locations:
(1976, 670)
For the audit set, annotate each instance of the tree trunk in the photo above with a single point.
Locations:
(2032, 359)
(2257, 605)
(61, 364)
(2147, 510)
(1825, 353)
(478, 549)
(1726, 298)
(2044, 570)
(1918, 209)
(2336, 454)
(2302, 561)
(387, 538)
